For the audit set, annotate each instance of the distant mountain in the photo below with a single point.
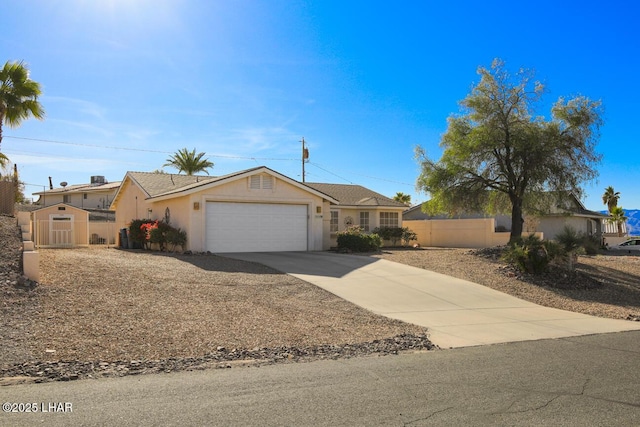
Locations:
(633, 221)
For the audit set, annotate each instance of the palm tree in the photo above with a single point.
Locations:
(4, 161)
(18, 95)
(617, 217)
(610, 198)
(402, 198)
(189, 162)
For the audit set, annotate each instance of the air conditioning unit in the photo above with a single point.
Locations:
(98, 179)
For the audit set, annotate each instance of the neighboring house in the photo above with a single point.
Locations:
(359, 206)
(610, 229)
(610, 234)
(572, 213)
(97, 195)
(257, 209)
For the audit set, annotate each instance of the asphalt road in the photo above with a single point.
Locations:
(578, 381)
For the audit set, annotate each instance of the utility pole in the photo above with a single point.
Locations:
(305, 157)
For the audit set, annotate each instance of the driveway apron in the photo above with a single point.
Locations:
(457, 313)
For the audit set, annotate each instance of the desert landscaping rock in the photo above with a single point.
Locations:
(43, 371)
(109, 312)
(106, 312)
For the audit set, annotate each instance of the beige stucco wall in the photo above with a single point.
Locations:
(454, 233)
(459, 233)
(131, 205)
(189, 211)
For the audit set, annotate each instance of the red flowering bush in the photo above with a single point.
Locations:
(146, 232)
(147, 229)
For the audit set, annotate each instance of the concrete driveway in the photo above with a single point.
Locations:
(458, 313)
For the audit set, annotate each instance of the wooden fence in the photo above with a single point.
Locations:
(7, 197)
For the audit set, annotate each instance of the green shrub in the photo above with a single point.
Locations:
(408, 235)
(389, 233)
(355, 240)
(157, 236)
(531, 255)
(570, 240)
(146, 232)
(591, 245)
(176, 237)
(396, 234)
(136, 233)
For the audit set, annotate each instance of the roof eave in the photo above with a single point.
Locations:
(236, 176)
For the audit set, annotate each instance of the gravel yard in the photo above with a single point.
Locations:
(111, 312)
(136, 311)
(111, 304)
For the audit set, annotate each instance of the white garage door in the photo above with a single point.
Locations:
(256, 227)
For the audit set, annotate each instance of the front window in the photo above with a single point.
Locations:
(364, 220)
(333, 224)
(388, 219)
(66, 198)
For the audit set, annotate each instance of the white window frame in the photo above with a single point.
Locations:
(334, 222)
(365, 221)
(386, 219)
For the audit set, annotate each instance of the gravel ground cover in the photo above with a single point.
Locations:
(109, 312)
(100, 312)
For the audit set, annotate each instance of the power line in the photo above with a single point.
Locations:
(213, 155)
(355, 173)
(336, 175)
(141, 149)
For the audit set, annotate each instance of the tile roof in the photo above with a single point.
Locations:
(354, 195)
(162, 184)
(156, 184)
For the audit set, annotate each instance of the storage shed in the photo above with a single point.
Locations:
(60, 226)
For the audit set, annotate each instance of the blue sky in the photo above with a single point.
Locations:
(129, 82)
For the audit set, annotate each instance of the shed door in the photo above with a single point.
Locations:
(61, 230)
(256, 227)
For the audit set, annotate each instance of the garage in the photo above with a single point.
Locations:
(256, 227)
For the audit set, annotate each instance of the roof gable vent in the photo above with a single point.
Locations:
(261, 182)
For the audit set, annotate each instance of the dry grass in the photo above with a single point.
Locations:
(109, 304)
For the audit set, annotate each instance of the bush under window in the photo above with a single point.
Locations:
(356, 240)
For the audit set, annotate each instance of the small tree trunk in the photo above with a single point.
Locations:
(619, 229)
(516, 220)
